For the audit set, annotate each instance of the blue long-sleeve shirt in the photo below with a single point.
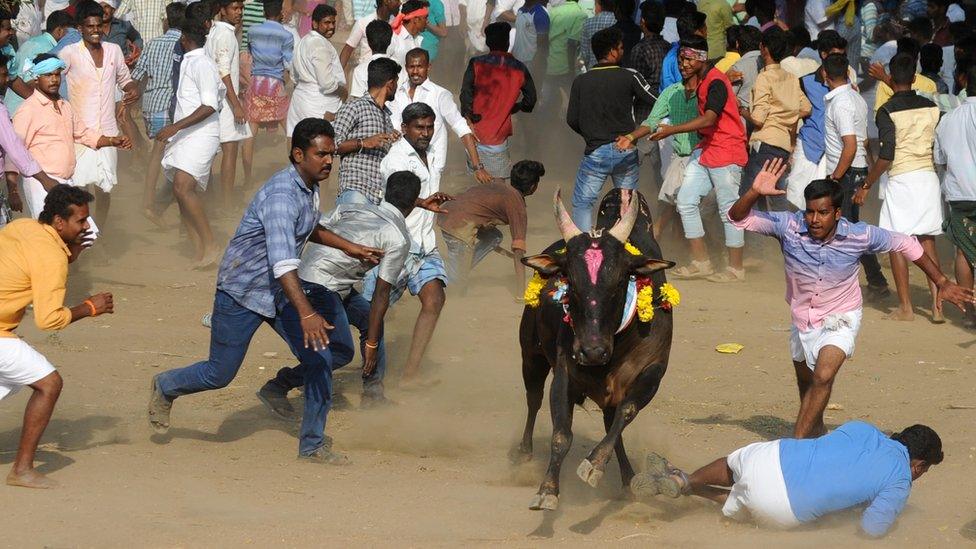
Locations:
(853, 465)
(271, 46)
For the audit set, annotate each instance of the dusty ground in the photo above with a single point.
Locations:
(434, 469)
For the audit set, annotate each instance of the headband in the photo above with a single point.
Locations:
(692, 53)
(48, 66)
(401, 17)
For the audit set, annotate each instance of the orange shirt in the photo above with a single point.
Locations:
(50, 135)
(33, 269)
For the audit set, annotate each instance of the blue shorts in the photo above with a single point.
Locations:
(431, 268)
(155, 121)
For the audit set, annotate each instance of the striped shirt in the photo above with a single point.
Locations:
(253, 15)
(271, 46)
(156, 62)
(146, 15)
(822, 276)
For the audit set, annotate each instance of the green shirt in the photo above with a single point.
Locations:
(435, 16)
(674, 104)
(718, 17)
(565, 24)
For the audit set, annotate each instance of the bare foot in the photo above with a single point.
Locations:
(210, 258)
(937, 316)
(149, 214)
(417, 383)
(899, 314)
(31, 479)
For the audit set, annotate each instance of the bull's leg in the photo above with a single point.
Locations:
(562, 438)
(640, 393)
(626, 471)
(535, 370)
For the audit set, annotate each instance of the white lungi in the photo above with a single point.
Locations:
(20, 365)
(911, 203)
(839, 330)
(759, 487)
(802, 172)
(34, 195)
(475, 18)
(193, 154)
(308, 102)
(230, 130)
(97, 167)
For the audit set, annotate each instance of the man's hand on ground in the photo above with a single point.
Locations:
(103, 303)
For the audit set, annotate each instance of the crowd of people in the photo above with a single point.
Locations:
(779, 117)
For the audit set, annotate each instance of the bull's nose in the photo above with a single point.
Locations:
(597, 354)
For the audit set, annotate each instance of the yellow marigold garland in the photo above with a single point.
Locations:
(533, 289)
(669, 295)
(631, 249)
(645, 303)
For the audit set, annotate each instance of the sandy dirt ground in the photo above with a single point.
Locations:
(433, 470)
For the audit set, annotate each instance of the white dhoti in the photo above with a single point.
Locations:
(193, 154)
(802, 172)
(308, 102)
(476, 19)
(34, 195)
(230, 130)
(20, 365)
(97, 167)
(759, 487)
(911, 203)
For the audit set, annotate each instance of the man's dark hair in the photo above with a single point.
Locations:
(835, 65)
(272, 8)
(221, 4)
(525, 174)
(496, 36)
(380, 71)
(417, 52)
(197, 14)
(42, 57)
(799, 39)
(605, 40)
(411, 6)
(673, 8)
(960, 30)
(970, 81)
(61, 200)
(930, 58)
(193, 26)
(764, 10)
(379, 34)
(3, 63)
(820, 188)
(322, 11)
(943, 5)
(86, 9)
(695, 43)
(922, 442)
(607, 5)
(652, 14)
(749, 39)
(902, 69)
(732, 37)
(416, 111)
(922, 28)
(175, 15)
(777, 43)
(830, 40)
(4, 14)
(57, 19)
(306, 131)
(625, 9)
(907, 44)
(402, 189)
(689, 23)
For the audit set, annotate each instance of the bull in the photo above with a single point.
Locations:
(582, 340)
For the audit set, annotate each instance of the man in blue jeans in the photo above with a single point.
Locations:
(328, 274)
(261, 259)
(601, 108)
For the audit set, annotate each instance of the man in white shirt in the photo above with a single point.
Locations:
(320, 83)
(424, 273)
(955, 148)
(408, 27)
(418, 88)
(194, 138)
(845, 135)
(223, 48)
(815, 17)
(386, 10)
(378, 35)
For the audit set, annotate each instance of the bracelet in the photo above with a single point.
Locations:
(481, 165)
(630, 137)
(371, 345)
(91, 307)
(310, 315)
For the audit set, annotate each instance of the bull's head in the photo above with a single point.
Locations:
(598, 269)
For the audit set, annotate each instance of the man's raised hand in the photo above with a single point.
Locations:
(765, 181)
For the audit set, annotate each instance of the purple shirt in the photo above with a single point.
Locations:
(822, 276)
(13, 152)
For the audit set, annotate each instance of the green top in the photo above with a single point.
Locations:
(674, 104)
(435, 16)
(718, 17)
(565, 24)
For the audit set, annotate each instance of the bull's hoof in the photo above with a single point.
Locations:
(544, 502)
(518, 456)
(590, 474)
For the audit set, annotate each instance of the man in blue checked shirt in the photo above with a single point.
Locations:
(261, 260)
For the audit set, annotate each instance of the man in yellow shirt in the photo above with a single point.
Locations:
(923, 85)
(34, 257)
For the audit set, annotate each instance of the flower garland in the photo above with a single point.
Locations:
(533, 289)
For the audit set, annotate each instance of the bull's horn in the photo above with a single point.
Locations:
(628, 215)
(567, 227)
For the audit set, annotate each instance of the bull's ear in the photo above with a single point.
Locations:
(645, 267)
(544, 263)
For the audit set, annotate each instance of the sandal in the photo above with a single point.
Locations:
(728, 275)
(697, 269)
(669, 480)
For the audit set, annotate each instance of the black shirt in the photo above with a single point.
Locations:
(602, 102)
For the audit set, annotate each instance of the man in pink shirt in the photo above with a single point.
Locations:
(95, 69)
(50, 128)
(821, 251)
